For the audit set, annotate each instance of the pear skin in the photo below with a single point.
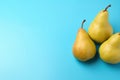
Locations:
(110, 50)
(100, 29)
(84, 48)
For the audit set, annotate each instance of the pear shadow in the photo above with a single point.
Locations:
(113, 66)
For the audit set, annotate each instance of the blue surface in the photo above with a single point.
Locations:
(36, 39)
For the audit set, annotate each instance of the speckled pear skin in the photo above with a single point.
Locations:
(110, 50)
(100, 29)
(84, 48)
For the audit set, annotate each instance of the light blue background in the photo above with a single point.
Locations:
(36, 39)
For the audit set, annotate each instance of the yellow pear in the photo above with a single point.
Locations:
(84, 48)
(110, 49)
(100, 29)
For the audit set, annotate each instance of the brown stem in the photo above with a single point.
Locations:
(107, 7)
(83, 23)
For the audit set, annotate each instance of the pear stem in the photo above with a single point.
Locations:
(83, 23)
(107, 7)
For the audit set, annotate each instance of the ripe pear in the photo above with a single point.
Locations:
(110, 49)
(100, 29)
(84, 48)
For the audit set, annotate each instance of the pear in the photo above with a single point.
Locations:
(110, 49)
(84, 48)
(100, 29)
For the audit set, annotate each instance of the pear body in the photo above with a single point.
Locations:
(110, 49)
(84, 48)
(100, 29)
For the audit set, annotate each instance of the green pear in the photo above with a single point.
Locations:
(84, 48)
(110, 49)
(100, 29)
